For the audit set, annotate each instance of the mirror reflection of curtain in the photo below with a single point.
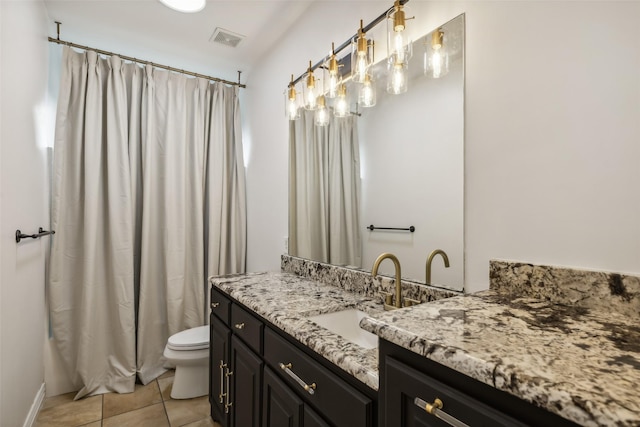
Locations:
(324, 190)
(148, 178)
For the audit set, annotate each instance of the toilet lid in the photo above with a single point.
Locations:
(191, 339)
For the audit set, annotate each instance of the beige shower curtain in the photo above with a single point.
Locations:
(148, 177)
(324, 190)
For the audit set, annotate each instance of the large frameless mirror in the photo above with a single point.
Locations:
(398, 164)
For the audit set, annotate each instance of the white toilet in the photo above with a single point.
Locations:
(188, 351)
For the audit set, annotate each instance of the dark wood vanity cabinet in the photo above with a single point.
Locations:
(405, 376)
(252, 384)
(235, 369)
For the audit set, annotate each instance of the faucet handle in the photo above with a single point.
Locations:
(408, 302)
(388, 297)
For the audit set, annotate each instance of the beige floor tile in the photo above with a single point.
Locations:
(94, 424)
(63, 411)
(205, 422)
(150, 416)
(58, 400)
(185, 411)
(165, 387)
(118, 403)
(169, 373)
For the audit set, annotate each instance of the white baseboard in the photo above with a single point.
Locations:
(35, 408)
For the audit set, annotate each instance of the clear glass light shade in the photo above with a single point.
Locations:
(321, 115)
(310, 92)
(399, 44)
(292, 104)
(333, 75)
(185, 6)
(367, 93)
(333, 82)
(341, 106)
(397, 76)
(361, 56)
(436, 57)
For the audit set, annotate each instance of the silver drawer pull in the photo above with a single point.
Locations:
(239, 325)
(227, 404)
(435, 409)
(309, 388)
(222, 393)
(214, 304)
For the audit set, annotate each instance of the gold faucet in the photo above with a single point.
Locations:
(396, 263)
(430, 260)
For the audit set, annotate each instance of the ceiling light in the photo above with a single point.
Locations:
(186, 6)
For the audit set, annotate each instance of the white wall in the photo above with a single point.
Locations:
(552, 124)
(23, 83)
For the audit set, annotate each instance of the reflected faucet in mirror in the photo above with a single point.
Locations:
(430, 260)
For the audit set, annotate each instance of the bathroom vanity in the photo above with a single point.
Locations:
(262, 367)
(491, 358)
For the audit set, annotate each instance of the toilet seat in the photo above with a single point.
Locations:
(190, 339)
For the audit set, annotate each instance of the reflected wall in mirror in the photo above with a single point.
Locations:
(400, 164)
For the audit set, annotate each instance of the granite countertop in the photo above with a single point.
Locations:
(582, 364)
(286, 300)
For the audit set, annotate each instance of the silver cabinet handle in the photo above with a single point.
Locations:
(227, 404)
(215, 304)
(435, 409)
(309, 388)
(222, 393)
(239, 325)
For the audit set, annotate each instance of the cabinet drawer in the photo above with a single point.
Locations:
(333, 398)
(247, 327)
(404, 384)
(220, 305)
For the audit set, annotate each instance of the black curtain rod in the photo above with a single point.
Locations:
(348, 42)
(139, 61)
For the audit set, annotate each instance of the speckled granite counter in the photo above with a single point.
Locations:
(582, 363)
(286, 300)
(557, 346)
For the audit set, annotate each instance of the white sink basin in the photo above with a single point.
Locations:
(346, 324)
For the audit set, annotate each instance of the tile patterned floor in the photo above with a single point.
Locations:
(148, 406)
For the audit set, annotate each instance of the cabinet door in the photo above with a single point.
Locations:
(312, 419)
(281, 407)
(403, 384)
(247, 385)
(218, 367)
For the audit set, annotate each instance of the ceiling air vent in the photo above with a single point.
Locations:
(226, 37)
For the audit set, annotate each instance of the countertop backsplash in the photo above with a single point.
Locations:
(595, 290)
(360, 281)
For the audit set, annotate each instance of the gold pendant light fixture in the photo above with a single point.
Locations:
(310, 92)
(292, 107)
(360, 58)
(436, 62)
(357, 72)
(334, 73)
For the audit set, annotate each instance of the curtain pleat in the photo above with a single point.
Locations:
(136, 150)
(324, 190)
